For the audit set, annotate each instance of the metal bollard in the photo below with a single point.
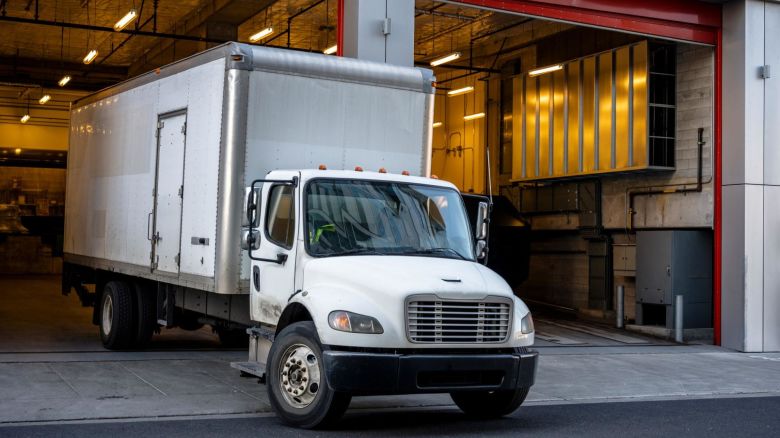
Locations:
(621, 295)
(678, 319)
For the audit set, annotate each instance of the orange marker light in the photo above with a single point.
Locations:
(382, 170)
(405, 173)
(434, 176)
(358, 169)
(323, 167)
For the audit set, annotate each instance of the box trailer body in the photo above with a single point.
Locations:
(158, 165)
(220, 190)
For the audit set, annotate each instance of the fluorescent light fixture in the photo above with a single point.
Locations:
(543, 70)
(45, 98)
(460, 91)
(448, 58)
(437, 124)
(24, 119)
(331, 50)
(474, 116)
(124, 21)
(90, 56)
(262, 34)
(64, 81)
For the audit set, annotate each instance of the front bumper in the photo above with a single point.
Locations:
(388, 373)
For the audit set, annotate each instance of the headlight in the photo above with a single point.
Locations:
(344, 321)
(527, 324)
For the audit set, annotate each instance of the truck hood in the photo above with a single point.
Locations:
(399, 276)
(377, 286)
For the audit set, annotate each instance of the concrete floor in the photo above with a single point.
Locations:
(53, 368)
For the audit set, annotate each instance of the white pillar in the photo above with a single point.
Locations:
(751, 176)
(379, 30)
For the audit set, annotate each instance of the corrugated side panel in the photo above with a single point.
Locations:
(111, 169)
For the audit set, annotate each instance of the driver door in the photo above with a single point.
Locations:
(273, 262)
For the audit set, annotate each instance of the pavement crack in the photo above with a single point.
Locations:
(63, 379)
(143, 380)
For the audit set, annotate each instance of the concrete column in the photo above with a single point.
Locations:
(379, 30)
(751, 176)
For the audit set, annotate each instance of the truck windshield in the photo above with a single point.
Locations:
(350, 217)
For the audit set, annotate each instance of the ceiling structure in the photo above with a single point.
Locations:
(43, 40)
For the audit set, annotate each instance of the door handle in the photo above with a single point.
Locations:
(148, 226)
(279, 260)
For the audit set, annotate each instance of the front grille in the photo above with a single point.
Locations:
(432, 320)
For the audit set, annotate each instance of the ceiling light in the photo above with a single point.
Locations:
(64, 81)
(437, 124)
(124, 21)
(331, 50)
(262, 34)
(541, 71)
(459, 91)
(90, 56)
(448, 58)
(45, 98)
(24, 119)
(474, 116)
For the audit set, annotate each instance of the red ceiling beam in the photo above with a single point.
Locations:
(686, 20)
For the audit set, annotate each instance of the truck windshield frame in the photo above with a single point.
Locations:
(443, 230)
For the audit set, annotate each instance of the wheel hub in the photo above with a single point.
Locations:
(299, 376)
(108, 315)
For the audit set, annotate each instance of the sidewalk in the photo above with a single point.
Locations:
(77, 386)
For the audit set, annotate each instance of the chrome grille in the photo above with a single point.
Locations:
(432, 320)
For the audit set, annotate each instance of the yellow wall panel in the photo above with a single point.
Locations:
(622, 120)
(639, 125)
(588, 117)
(605, 112)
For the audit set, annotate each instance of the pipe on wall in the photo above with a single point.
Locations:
(668, 189)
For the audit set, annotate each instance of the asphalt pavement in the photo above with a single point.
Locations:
(722, 417)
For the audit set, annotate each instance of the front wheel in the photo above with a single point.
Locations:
(296, 381)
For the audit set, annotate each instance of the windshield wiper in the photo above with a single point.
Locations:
(357, 251)
(437, 251)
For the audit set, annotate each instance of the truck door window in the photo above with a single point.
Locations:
(280, 216)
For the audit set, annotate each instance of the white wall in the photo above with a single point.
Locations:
(751, 181)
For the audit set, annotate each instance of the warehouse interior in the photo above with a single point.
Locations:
(601, 142)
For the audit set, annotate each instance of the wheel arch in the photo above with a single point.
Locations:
(294, 312)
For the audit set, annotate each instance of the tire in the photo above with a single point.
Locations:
(118, 326)
(233, 338)
(146, 312)
(490, 404)
(316, 406)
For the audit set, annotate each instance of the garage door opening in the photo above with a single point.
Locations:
(599, 144)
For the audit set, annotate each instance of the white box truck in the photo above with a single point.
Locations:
(220, 190)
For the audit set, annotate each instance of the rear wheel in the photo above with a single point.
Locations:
(117, 317)
(146, 315)
(297, 388)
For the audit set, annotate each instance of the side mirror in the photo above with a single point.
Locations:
(251, 207)
(481, 249)
(481, 229)
(250, 239)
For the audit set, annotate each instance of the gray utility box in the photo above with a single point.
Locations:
(669, 263)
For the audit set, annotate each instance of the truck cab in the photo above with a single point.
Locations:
(368, 283)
